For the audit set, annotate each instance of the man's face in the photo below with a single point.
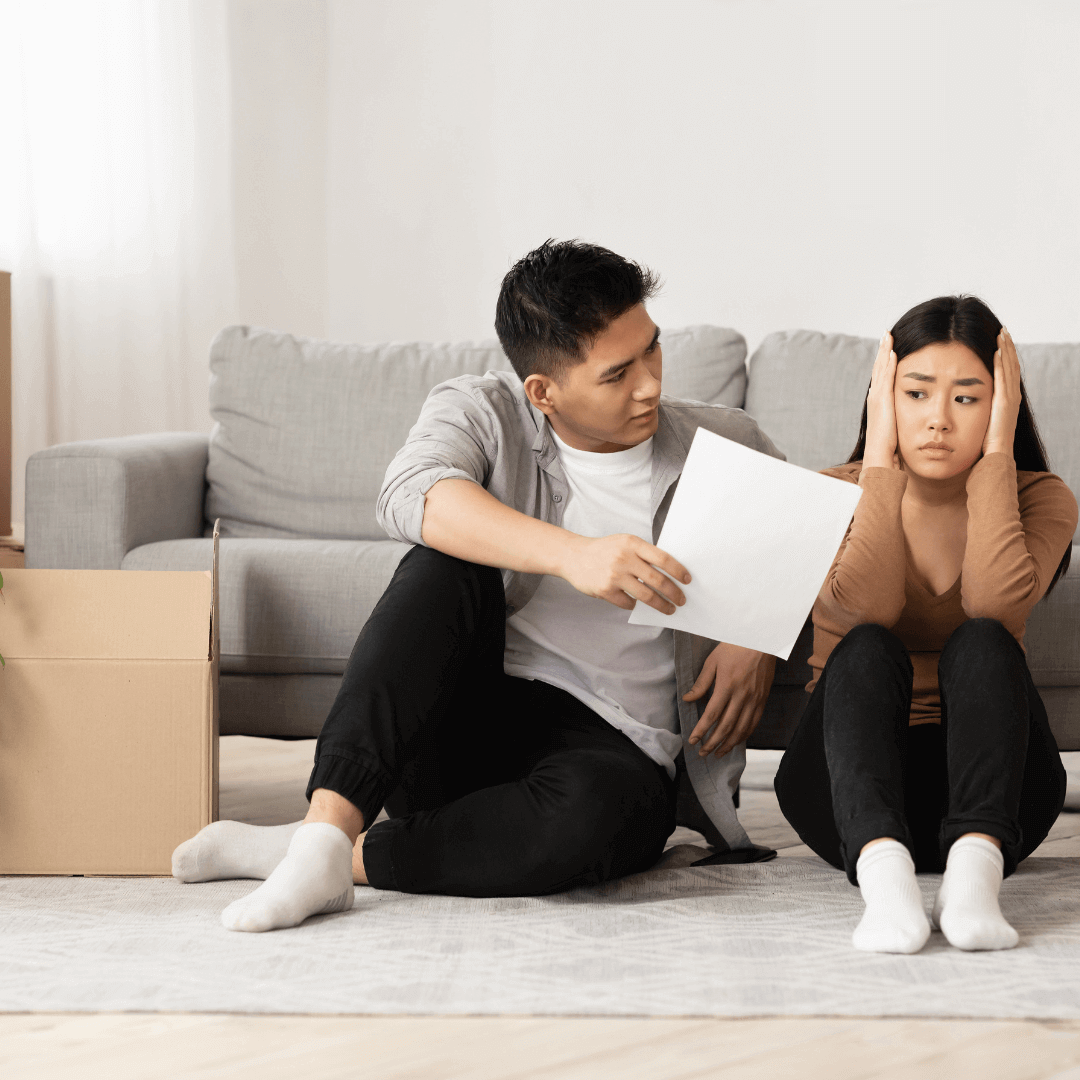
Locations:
(609, 401)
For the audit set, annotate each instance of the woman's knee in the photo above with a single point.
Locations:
(981, 648)
(982, 636)
(869, 643)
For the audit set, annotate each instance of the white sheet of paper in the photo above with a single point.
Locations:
(758, 536)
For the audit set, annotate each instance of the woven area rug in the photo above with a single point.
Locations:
(677, 941)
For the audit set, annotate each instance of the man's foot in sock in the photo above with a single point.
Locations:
(231, 849)
(967, 908)
(894, 920)
(314, 878)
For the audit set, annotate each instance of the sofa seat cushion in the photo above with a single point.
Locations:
(304, 430)
(287, 606)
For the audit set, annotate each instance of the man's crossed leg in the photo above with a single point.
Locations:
(496, 786)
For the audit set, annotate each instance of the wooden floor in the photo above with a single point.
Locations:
(262, 782)
(300, 1048)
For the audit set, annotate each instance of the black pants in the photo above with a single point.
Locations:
(855, 771)
(496, 786)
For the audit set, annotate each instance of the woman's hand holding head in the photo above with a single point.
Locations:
(1005, 406)
(943, 395)
(881, 435)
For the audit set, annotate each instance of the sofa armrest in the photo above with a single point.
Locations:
(89, 503)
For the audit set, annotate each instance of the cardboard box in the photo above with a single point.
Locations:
(108, 718)
(5, 403)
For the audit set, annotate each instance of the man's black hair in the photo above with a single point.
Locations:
(558, 299)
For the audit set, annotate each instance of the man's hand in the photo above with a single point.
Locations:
(621, 569)
(464, 520)
(741, 680)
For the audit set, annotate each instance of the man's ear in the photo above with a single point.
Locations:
(538, 390)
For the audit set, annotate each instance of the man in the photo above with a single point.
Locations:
(522, 735)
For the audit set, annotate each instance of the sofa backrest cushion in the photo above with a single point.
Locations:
(806, 391)
(304, 430)
(1052, 378)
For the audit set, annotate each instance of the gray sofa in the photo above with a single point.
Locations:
(303, 433)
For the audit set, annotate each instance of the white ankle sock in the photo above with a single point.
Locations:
(231, 849)
(314, 878)
(894, 920)
(966, 908)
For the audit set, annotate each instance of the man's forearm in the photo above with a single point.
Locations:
(464, 520)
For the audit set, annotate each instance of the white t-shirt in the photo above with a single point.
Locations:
(586, 646)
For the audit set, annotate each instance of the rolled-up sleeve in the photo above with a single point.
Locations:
(456, 436)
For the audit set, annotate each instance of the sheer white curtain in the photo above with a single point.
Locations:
(115, 214)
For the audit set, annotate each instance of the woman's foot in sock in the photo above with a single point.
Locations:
(967, 908)
(314, 878)
(894, 920)
(231, 849)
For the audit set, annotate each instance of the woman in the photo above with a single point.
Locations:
(924, 745)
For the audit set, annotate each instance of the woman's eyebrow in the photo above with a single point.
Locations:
(933, 378)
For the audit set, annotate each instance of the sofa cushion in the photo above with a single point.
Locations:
(705, 363)
(1052, 379)
(1052, 638)
(287, 606)
(304, 430)
(806, 390)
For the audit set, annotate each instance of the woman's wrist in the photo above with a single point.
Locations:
(877, 459)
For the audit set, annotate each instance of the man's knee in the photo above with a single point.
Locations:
(437, 566)
(442, 581)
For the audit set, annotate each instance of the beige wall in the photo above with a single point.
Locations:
(278, 55)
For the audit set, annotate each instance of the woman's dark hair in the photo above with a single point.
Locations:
(558, 299)
(968, 321)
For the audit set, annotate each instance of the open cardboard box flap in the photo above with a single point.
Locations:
(108, 718)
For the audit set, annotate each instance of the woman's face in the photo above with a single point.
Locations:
(943, 395)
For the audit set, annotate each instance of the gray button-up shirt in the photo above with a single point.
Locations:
(485, 429)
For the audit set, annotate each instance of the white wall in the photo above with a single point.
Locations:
(782, 164)
(278, 65)
(368, 169)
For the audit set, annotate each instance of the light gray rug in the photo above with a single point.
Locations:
(718, 941)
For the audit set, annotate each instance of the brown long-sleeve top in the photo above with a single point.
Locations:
(1018, 527)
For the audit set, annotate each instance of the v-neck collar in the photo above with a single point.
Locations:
(922, 590)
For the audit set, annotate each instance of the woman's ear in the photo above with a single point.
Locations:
(538, 390)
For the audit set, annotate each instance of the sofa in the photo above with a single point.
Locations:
(303, 431)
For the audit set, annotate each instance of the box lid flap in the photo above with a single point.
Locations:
(106, 614)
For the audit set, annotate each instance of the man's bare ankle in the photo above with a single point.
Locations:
(329, 806)
(359, 874)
